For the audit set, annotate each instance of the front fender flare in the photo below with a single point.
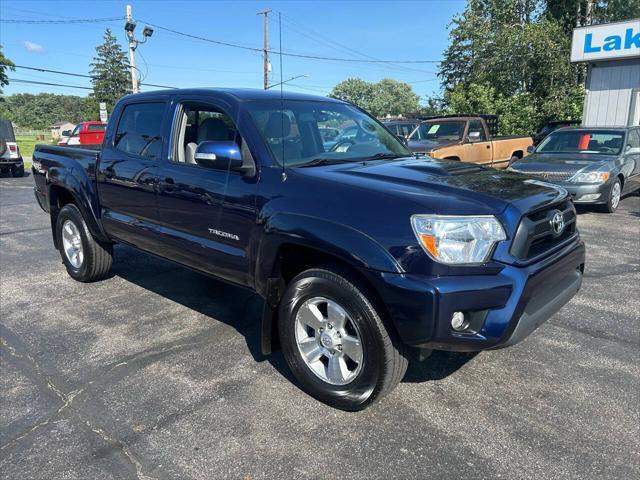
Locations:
(338, 240)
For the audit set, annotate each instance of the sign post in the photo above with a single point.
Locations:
(103, 112)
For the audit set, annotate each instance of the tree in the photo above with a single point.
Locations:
(386, 97)
(5, 64)
(110, 72)
(574, 13)
(44, 109)
(511, 57)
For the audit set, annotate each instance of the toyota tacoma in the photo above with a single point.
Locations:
(360, 250)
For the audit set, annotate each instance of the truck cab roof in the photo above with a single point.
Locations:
(236, 94)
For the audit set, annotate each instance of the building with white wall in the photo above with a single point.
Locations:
(612, 52)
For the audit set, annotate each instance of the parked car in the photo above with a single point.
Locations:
(85, 133)
(10, 158)
(359, 253)
(595, 165)
(401, 128)
(468, 139)
(552, 127)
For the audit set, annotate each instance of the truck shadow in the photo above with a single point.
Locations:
(241, 309)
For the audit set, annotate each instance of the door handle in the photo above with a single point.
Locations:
(488, 146)
(168, 184)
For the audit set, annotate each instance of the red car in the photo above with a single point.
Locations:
(85, 133)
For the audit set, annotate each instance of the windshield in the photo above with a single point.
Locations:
(6, 131)
(295, 132)
(602, 142)
(440, 132)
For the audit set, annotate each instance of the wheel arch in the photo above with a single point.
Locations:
(284, 255)
(61, 195)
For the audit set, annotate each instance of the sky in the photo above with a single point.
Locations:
(363, 30)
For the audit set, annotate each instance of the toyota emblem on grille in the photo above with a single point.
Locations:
(557, 223)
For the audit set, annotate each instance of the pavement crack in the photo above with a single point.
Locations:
(25, 230)
(123, 447)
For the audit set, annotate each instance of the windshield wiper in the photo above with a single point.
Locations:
(386, 156)
(323, 161)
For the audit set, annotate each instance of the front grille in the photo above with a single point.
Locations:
(535, 235)
(551, 176)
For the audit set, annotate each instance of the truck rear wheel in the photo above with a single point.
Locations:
(335, 340)
(86, 259)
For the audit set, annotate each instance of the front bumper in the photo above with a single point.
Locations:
(505, 307)
(588, 193)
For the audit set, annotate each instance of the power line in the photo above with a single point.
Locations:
(66, 21)
(305, 31)
(20, 80)
(288, 54)
(59, 72)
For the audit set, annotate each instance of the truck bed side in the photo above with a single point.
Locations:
(65, 174)
(509, 146)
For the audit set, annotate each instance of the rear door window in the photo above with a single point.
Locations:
(139, 130)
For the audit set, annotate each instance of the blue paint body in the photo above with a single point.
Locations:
(357, 213)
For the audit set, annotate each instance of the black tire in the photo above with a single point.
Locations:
(384, 358)
(512, 160)
(612, 205)
(98, 256)
(18, 171)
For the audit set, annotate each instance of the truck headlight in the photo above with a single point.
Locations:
(590, 177)
(456, 240)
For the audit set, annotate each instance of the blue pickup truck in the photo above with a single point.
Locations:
(360, 250)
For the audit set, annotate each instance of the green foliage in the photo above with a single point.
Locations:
(573, 13)
(510, 57)
(386, 97)
(110, 71)
(5, 64)
(40, 111)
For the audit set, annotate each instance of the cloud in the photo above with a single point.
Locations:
(33, 47)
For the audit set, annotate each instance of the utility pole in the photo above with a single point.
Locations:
(132, 50)
(265, 49)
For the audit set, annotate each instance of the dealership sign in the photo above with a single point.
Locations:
(607, 41)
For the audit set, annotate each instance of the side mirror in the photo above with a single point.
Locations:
(474, 137)
(531, 149)
(66, 133)
(219, 155)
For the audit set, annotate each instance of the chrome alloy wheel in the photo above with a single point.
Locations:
(615, 195)
(329, 341)
(72, 244)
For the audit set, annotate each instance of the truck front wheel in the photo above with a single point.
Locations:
(86, 259)
(335, 340)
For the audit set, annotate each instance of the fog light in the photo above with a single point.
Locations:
(458, 321)
(589, 196)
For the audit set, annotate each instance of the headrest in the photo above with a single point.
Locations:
(278, 125)
(212, 129)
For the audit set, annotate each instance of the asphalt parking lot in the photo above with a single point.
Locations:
(156, 373)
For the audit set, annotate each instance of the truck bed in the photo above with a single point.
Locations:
(50, 161)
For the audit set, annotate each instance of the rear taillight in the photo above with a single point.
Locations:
(13, 148)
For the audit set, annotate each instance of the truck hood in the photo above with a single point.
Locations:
(426, 146)
(443, 187)
(568, 162)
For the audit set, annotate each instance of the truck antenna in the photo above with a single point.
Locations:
(284, 172)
